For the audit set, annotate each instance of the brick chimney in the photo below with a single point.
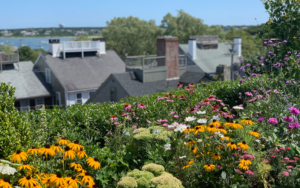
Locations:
(168, 46)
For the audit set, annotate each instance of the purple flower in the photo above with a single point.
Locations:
(270, 42)
(242, 68)
(265, 42)
(241, 81)
(293, 125)
(287, 82)
(253, 74)
(260, 119)
(289, 52)
(294, 111)
(241, 59)
(273, 121)
(254, 67)
(248, 93)
(284, 41)
(279, 43)
(288, 118)
(248, 65)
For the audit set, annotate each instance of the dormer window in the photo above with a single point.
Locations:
(48, 75)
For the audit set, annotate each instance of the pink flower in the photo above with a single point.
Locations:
(294, 111)
(287, 148)
(288, 118)
(148, 121)
(273, 121)
(128, 117)
(192, 85)
(260, 119)
(286, 158)
(187, 88)
(127, 106)
(176, 116)
(296, 158)
(274, 156)
(172, 112)
(285, 173)
(275, 91)
(179, 85)
(249, 93)
(165, 125)
(191, 91)
(249, 172)
(113, 118)
(182, 97)
(238, 171)
(251, 100)
(282, 149)
(141, 105)
(271, 153)
(248, 156)
(283, 161)
(220, 167)
(290, 167)
(134, 127)
(124, 114)
(116, 123)
(292, 161)
(170, 101)
(109, 133)
(278, 175)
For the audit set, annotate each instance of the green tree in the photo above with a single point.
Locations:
(81, 38)
(132, 36)
(183, 26)
(28, 54)
(7, 48)
(217, 30)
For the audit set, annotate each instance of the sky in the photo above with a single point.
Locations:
(95, 13)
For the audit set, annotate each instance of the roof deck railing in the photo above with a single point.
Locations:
(6, 59)
(80, 46)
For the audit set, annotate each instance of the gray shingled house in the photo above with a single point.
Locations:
(76, 70)
(32, 91)
(150, 74)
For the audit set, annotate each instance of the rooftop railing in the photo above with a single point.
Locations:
(6, 59)
(80, 45)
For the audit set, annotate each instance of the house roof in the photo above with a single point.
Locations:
(209, 59)
(135, 87)
(193, 74)
(28, 84)
(77, 73)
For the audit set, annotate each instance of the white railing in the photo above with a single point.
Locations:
(80, 45)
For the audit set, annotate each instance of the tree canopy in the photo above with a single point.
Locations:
(7, 48)
(28, 54)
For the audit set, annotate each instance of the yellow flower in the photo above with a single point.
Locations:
(228, 124)
(269, 21)
(5, 184)
(46, 181)
(72, 182)
(190, 142)
(26, 167)
(186, 166)
(244, 164)
(63, 141)
(215, 123)
(216, 156)
(294, 37)
(190, 162)
(47, 151)
(243, 145)
(75, 146)
(186, 131)
(211, 129)
(244, 167)
(19, 156)
(28, 182)
(93, 162)
(247, 122)
(81, 153)
(57, 179)
(222, 130)
(220, 146)
(56, 148)
(199, 128)
(254, 133)
(284, 15)
(231, 145)
(70, 154)
(194, 150)
(86, 178)
(33, 151)
(209, 167)
(225, 138)
(76, 166)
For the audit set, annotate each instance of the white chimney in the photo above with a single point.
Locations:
(238, 45)
(54, 47)
(192, 48)
(102, 46)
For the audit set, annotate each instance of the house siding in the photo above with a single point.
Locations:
(72, 97)
(41, 65)
(104, 94)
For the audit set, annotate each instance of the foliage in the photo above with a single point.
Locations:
(81, 38)
(131, 36)
(262, 30)
(28, 54)
(7, 48)
(14, 130)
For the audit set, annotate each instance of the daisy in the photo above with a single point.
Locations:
(167, 147)
(94, 163)
(58, 180)
(209, 167)
(28, 182)
(75, 146)
(18, 156)
(26, 167)
(47, 151)
(254, 133)
(190, 118)
(243, 145)
(33, 151)
(63, 141)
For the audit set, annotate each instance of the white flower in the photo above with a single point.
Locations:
(126, 133)
(173, 125)
(180, 128)
(190, 118)
(199, 140)
(201, 112)
(201, 121)
(215, 118)
(182, 157)
(167, 147)
(219, 134)
(156, 131)
(5, 169)
(238, 108)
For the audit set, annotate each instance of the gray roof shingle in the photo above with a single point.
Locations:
(77, 73)
(28, 84)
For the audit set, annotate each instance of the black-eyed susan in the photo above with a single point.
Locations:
(225, 138)
(215, 123)
(244, 167)
(37, 186)
(56, 148)
(188, 130)
(19, 156)
(216, 156)
(72, 182)
(76, 166)
(211, 129)
(237, 125)
(28, 182)
(254, 133)
(228, 124)
(33, 151)
(25, 167)
(57, 179)
(231, 145)
(63, 141)
(219, 146)
(82, 170)
(75, 146)
(186, 166)
(93, 162)
(47, 151)
(81, 153)
(194, 150)
(86, 178)
(190, 142)
(243, 145)
(209, 167)
(5, 183)
(247, 122)
(190, 162)
(46, 181)
(70, 154)
(221, 129)
(245, 162)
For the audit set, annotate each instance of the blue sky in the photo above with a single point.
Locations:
(95, 13)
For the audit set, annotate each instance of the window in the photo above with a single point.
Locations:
(92, 93)
(25, 105)
(79, 98)
(39, 103)
(113, 94)
(48, 75)
(57, 98)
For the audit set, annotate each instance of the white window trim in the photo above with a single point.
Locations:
(36, 105)
(48, 74)
(24, 106)
(78, 99)
(59, 99)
